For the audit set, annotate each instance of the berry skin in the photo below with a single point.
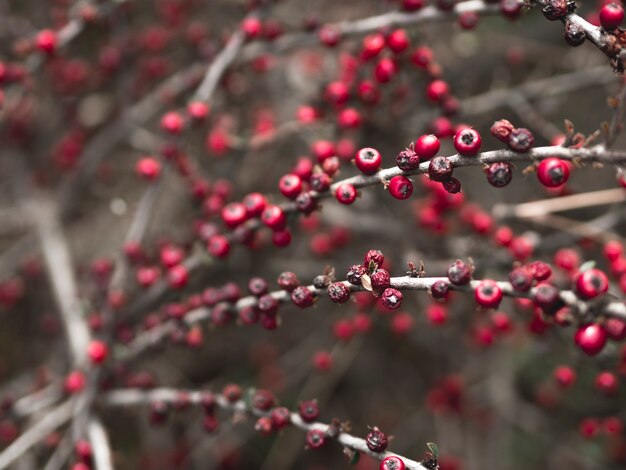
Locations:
(338, 292)
(440, 169)
(467, 142)
(254, 203)
(499, 174)
(488, 294)
(368, 160)
(591, 283)
(274, 217)
(392, 463)
(308, 410)
(607, 383)
(459, 273)
(427, 146)
(376, 440)
(611, 16)
(591, 338)
(501, 130)
(437, 90)
(408, 160)
(391, 298)
(565, 376)
(400, 187)
(97, 352)
(290, 185)
(302, 297)
(552, 172)
(148, 168)
(521, 140)
(346, 193)
(315, 439)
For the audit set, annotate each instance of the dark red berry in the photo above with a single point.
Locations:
(460, 273)
(552, 172)
(288, 281)
(400, 187)
(267, 304)
(555, 9)
(264, 426)
(368, 160)
(467, 142)
(521, 279)
(346, 193)
(338, 292)
(547, 297)
(218, 246)
(440, 290)
(521, 140)
(376, 440)
(574, 33)
(440, 169)
(280, 416)
(262, 400)
(258, 286)
(355, 273)
(320, 182)
(232, 392)
(408, 160)
(302, 297)
(373, 259)
(380, 279)
(306, 203)
(499, 174)
(391, 298)
(308, 410)
(452, 185)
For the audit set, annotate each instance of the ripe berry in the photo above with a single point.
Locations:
(499, 174)
(338, 292)
(302, 297)
(426, 146)
(607, 383)
(148, 168)
(376, 440)
(368, 160)
(322, 361)
(488, 294)
(46, 41)
(172, 123)
(290, 185)
(437, 90)
(234, 214)
(565, 376)
(308, 410)
(337, 93)
(467, 142)
(407, 160)
(373, 259)
(440, 290)
(459, 273)
(590, 338)
(400, 187)
(274, 217)
(385, 70)
(177, 277)
(391, 298)
(232, 392)
(611, 16)
(74, 382)
(262, 400)
(280, 416)
(392, 463)
(252, 27)
(373, 44)
(521, 279)
(521, 140)
(612, 250)
(346, 193)
(591, 283)
(380, 279)
(315, 439)
(552, 172)
(97, 352)
(198, 110)
(440, 169)
(615, 328)
(218, 246)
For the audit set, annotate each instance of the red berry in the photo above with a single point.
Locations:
(322, 361)
(232, 392)
(234, 214)
(467, 142)
(400, 187)
(552, 172)
(437, 90)
(338, 292)
(520, 140)
(499, 174)
(178, 276)
(591, 283)
(308, 410)
(408, 160)
(398, 41)
(148, 168)
(612, 250)
(488, 294)
(346, 193)
(440, 169)
(280, 416)
(218, 246)
(290, 185)
(459, 273)
(252, 27)
(611, 16)
(254, 204)
(315, 439)
(373, 44)
(337, 93)
(427, 146)
(198, 110)
(274, 217)
(590, 338)
(607, 383)
(376, 440)
(97, 351)
(46, 41)
(368, 160)
(74, 382)
(565, 376)
(391, 298)
(172, 123)
(392, 462)
(302, 297)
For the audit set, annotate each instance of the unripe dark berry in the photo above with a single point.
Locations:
(355, 273)
(440, 290)
(590, 338)
(408, 160)
(440, 169)
(521, 279)
(392, 463)
(391, 298)
(552, 172)
(315, 439)
(290, 185)
(591, 283)
(373, 259)
(547, 297)
(611, 16)
(467, 142)
(368, 160)
(258, 286)
(499, 174)
(346, 193)
(322, 281)
(501, 130)
(400, 187)
(376, 440)
(554, 9)
(262, 400)
(274, 217)
(305, 203)
(452, 185)
(488, 294)
(460, 273)
(574, 33)
(281, 417)
(302, 297)
(308, 410)
(288, 281)
(426, 146)
(267, 304)
(521, 140)
(338, 292)
(380, 279)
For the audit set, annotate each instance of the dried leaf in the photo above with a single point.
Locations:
(366, 282)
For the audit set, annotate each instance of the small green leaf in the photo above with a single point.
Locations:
(433, 448)
(587, 266)
(355, 458)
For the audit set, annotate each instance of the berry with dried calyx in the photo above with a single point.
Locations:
(452, 185)
(376, 440)
(521, 140)
(555, 9)
(355, 273)
(308, 410)
(391, 298)
(315, 439)
(338, 292)
(392, 463)
(591, 283)
(440, 169)
(407, 160)
(499, 174)
(460, 273)
(501, 130)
